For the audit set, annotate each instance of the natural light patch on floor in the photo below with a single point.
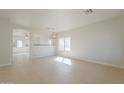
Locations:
(64, 60)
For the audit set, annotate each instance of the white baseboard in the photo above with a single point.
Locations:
(101, 63)
(96, 62)
(8, 64)
(2, 65)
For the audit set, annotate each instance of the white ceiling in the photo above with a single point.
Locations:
(60, 19)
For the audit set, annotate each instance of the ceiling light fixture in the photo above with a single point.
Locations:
(88, 11)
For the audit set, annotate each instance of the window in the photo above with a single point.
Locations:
(61, 44)
(19, 44)
(65, 44)
(50, 42)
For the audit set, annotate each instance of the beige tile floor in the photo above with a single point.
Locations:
(58, 70)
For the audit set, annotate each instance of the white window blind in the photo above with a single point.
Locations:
(65, 44)
(61, 44)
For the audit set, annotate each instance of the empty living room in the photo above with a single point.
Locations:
(62, 46)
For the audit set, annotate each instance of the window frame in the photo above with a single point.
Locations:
(64, 44)
(17, 44)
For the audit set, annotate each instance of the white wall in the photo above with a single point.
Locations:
(41, 37)
(101, 42)
(5, 42)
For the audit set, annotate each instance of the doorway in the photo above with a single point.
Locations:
(21, 44)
